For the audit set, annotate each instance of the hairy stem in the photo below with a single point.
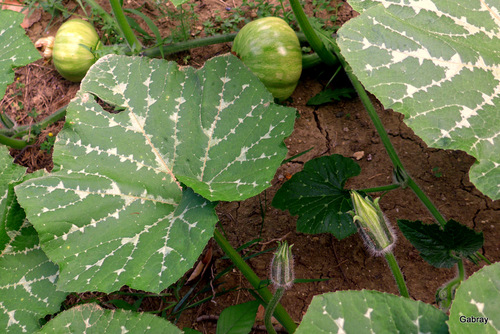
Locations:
(271, 306)
(280, 313)
(398, 275)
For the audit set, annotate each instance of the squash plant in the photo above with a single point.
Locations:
(149, 178)
(16, 48)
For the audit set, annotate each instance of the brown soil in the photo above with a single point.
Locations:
(336, 128)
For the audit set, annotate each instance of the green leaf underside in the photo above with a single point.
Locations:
(16, 48)
(370, 312)
(238, 319)
(112, 213)
(477, 297)
(442, 248)
(317, 195)
(439, 65)
(91, 318)
(27, 277)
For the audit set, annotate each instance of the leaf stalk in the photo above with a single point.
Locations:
(397, 274)
(316, 43)
(125, 28)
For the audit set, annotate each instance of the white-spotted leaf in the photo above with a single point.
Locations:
(16, 48)
(476, 307)
(114, 210)
(439, 65)
(91, 318)
(27, 277)
(365, 311)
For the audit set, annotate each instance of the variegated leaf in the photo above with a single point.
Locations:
(27, 277)
(113, 212)
(370, 312)
(476, 305)
(16, 48)
(91, 318)
(438, 64)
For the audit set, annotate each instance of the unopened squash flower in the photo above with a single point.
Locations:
(282, 273)
(372, 224)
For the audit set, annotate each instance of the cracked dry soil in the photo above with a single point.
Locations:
(341, 127)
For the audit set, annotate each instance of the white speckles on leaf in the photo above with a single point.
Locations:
(120, 88)
(446, 67)
(123, 205)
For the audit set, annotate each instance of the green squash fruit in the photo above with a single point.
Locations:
(71, 55)
(271, 50)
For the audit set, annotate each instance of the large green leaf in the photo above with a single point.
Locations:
(16, 48)
(318, 196)
(10, 174)
(438, 63)
(91, 318)
(358, 312)
(476, 308)
(113, 212)
(27, 277)
(442, 247)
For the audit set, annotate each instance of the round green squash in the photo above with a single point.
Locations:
(71, 55)
(271, 50)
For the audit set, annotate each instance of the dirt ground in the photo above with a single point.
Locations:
(335, 128)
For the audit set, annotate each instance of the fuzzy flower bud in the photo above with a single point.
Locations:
(372, 224)
(282, 274)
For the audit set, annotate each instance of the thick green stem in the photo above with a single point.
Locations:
(427, 202)
(310, 60)
(8, 136)
(14, 143)
(280, 313)
(187, 45)
(125, 28)
(104, 15)
(51, 119)
(380, 189)
(271, 306)
(398, 276)
(391, 151)
(316, 43)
